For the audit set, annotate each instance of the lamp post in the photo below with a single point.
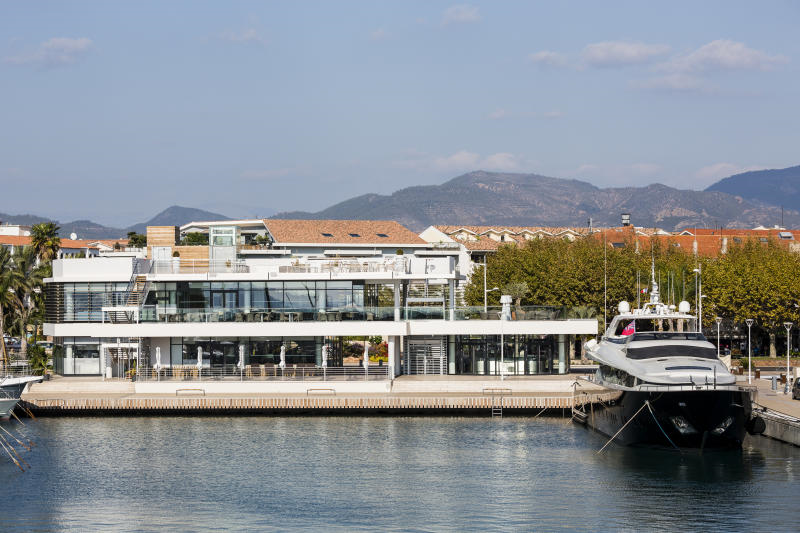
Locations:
(485, 293)
(718, 320)
(485, 290)
(788, 326)
(749, 323)
(699, 291)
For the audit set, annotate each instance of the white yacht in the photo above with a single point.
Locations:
(11, 389)
(674, 389)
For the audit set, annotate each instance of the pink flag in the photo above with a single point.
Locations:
(630, 329)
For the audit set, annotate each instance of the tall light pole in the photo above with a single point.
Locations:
(788, 326)
(699, 288)
(485, 290)
(749, 323)
(718, 320)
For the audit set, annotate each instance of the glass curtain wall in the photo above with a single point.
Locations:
(522, 354)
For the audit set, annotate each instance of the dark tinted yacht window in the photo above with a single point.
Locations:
(671, 350)
(668, 335)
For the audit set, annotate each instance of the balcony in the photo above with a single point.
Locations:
(198, 266)
(151, 314)
(398, 265)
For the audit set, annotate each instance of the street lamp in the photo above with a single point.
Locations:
(749, 323)
(718, 320)
(788, 326)
(699, 291)
(485, 293)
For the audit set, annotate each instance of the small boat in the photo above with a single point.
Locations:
(674, 390)
(11, 389)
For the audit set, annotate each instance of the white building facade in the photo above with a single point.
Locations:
(286, 299)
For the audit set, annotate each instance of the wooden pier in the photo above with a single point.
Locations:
(313, 403)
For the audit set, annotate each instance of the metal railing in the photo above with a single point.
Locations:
(192, 373)
(344, 267)
(198, 266)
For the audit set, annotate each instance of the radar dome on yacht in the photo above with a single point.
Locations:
(624, 307)
(684, 307)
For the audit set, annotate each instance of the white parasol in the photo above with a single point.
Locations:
(283, 356)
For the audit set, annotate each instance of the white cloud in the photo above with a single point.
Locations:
(498, 114)
(717, 171)
(548, 58)
(622, 53)
(676, 81)
(460, 13)
(501, 161)
(55, 52)
(724, 54)
(461, 160)
(246, 35)
(378, 34)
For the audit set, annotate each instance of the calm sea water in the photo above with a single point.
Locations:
(378, 474)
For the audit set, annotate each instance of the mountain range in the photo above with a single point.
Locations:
(86, 229)
(492, 198)
(747, 200)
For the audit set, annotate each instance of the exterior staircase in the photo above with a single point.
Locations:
(127, 307)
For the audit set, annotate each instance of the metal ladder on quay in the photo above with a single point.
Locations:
(497, 408)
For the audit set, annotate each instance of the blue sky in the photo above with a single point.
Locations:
(114, 111)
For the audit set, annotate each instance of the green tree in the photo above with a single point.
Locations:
(755, 281)
(195, 239)
(28, 290)
(10, 280)
(45, 240)
(136, 240)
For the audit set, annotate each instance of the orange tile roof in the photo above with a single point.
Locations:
(341, 231)
(15, 240)
(449, 229)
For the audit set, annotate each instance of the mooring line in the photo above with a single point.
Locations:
(646, 403)
(15, 438)
(659, 425)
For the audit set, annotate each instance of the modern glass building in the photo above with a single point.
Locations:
(291, 294)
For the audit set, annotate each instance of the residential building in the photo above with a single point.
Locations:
(291, 292)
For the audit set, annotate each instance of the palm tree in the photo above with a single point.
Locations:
(10, 280)
(28, 290)
(45, 240)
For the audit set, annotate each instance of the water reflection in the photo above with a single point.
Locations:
(380, 473)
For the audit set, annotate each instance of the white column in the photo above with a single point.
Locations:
(451, 283)
(397, 288)
(390, 345)
(562, 363)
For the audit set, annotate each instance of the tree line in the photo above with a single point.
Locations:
(754, 279)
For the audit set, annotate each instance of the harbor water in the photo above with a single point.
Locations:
(382, 474)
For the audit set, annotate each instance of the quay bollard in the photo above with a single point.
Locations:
(774, 382)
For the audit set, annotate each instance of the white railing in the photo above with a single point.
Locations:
(344, 267)
(198, 266)
(190, 372)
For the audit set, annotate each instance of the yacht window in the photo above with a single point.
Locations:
(327, 234)
(672, 350)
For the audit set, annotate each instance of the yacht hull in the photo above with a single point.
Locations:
(689, 419)
(6, 406)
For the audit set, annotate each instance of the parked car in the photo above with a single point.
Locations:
(796, 389)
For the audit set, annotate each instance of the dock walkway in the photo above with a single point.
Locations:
(405, 396)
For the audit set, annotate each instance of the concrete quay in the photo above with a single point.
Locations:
(780, 412)
(407, 395)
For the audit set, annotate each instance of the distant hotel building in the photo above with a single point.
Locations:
(262, 287)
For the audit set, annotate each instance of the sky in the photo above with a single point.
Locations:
(113, 111)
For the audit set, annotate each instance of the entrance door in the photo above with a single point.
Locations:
(427, 356)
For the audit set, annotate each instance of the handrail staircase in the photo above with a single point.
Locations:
(128, 310)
